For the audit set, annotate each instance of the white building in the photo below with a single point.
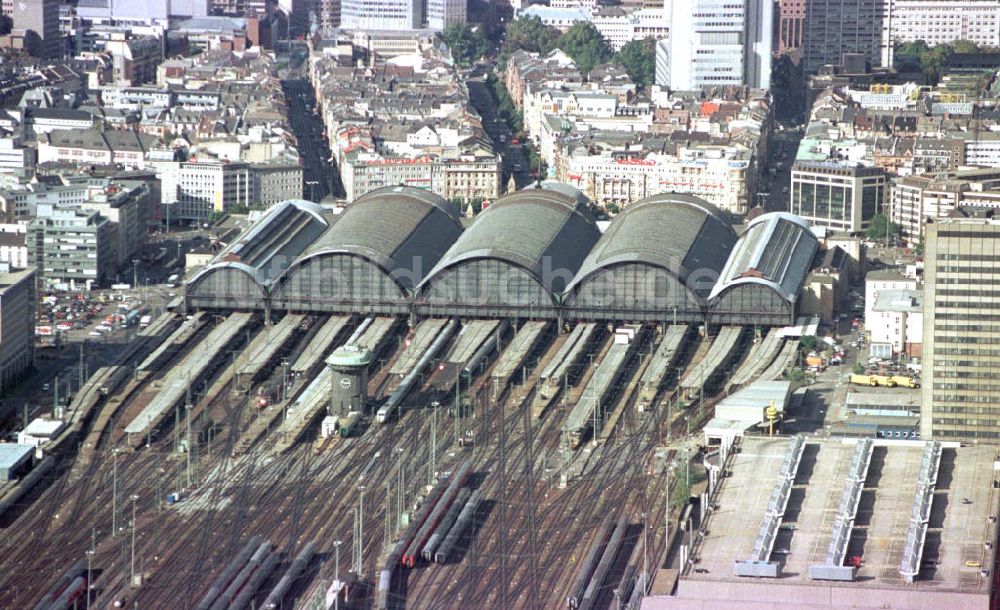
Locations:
(720, 42)
(938, 21)
(46, 120)
(618, 26)
(193, 190)
(442, 13)
(884, 280)
(717, 175)
(381, 14)
(984, 151)
(13, 246)
(896, 320)
(39, 432)
(15, 157)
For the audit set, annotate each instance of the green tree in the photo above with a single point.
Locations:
(585, 45)
(466, 45)
(917, 56)
(858, 369)
(807, 343)
(880, 228)
(638, 57)
(530, 34)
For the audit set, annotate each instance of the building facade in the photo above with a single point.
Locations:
(71, 248)
(937, 22)
(191, 191)
(835, 27)
(791, 23)
(271, 183)
(960, 393)
(897, 322)
(40, 18)
(452, 179)
(17, 322)
(841, 197)
(382, 15)
(720, 42)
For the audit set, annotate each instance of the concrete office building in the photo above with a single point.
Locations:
(191, 191)
(960, 393)
(938, 21)
(37, 21)
(839, 196)
(720, 42)
(17, 321)
(835, 27)
(70, 247)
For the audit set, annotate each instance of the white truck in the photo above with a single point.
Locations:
(145, 321)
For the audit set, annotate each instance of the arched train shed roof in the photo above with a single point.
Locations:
(775, 251)
(680, 234)
(538, 230)
(401, 229)
(246, 268)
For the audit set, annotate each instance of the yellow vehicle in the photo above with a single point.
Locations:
(874, 380)
(906, 382)
(886, 381)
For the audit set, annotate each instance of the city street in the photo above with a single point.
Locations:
(319, 177)
(515, 161)
(783, 147)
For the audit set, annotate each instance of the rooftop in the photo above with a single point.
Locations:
(12, 453)
(909, 301)
(964, 501)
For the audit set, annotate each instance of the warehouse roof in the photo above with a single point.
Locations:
(402, 229)
(678, 233)
(537, 229)
(284, 231)
(776, 250)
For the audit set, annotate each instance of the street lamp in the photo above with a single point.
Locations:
(336, 573)
(135, 273)
(90, 555)
(132, 568)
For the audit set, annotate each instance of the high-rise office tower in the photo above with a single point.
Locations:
(835, 27)
(381, 14)
(720, 42)
(960, 383)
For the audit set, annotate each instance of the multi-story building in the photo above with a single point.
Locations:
(274, 182)
(465, 178)
(896, 323)
(841, 196)
(191, 191)
(381, 15)
(960, 394)
(938, 21)
(442, 13)
(720, 42)
(791, 22)
(17, 322)
(14, 156)
(128, 205)
(836, 27)
(71, 247)
(92, 147)
(134, 60)
(615, 180)
(917, 199)
(37, 21)
(13, 248)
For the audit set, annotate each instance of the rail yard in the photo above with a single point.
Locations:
(384, 450)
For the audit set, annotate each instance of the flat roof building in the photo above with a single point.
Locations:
(844, 524)
(14, 460)
(17, 320)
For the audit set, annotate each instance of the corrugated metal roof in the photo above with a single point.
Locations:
(679, 233)
(540, 230)
(284, 231)
(776, 250)
(397, 228)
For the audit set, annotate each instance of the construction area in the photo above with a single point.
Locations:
(341, 432)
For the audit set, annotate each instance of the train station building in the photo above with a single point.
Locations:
(536, 253)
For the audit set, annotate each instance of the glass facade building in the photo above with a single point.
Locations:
(840, 197)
